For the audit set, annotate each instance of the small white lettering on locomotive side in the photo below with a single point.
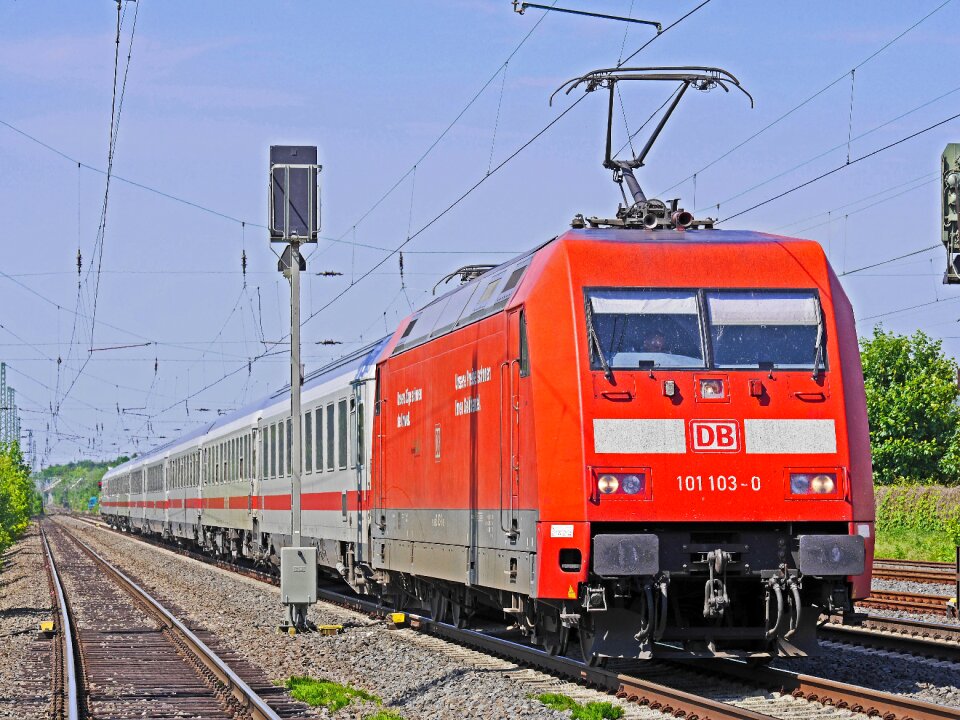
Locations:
(471, 378)
(561, 531)
(403, 420)
(408, 396)
(466, 406)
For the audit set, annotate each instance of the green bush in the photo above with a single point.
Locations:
(19, 500)
(930, 514)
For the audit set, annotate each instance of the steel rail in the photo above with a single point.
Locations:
(830, 692)
(915, 563)
(250, 700)
(914, 573)
(933, 640)
(910, 602)
(66, 635)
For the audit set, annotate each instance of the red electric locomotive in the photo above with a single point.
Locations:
(652, 434)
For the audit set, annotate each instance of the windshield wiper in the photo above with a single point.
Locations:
(818, 351)
(592, 334)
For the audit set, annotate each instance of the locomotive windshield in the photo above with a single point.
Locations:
(646, 328)
(764, 328)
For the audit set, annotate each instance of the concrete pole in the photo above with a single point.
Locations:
(295, 387)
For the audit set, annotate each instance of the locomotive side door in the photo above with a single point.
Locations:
(510, 374)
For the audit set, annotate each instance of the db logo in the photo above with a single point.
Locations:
(715, 435)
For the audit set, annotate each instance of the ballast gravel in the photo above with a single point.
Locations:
(889, 585)
(24, 656)
(243, 613)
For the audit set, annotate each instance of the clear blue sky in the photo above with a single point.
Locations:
(212, 85)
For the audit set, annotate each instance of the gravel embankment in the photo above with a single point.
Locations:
(414, 680)
(24, 656)
(917, 677)
(914, 587)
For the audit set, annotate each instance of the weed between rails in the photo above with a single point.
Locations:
(590, 711)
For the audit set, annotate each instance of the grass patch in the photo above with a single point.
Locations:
(590, 711)
(556, 701)
(384, 715)
(328, 694)
(906, 544)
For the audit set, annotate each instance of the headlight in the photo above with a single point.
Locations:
(636, 483)
(631, 484)
(711, 389)
(813, 483)
(607, 484)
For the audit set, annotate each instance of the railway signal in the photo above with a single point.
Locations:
(295, 220)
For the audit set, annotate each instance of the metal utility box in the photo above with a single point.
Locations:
(298, 575)
(294, 193)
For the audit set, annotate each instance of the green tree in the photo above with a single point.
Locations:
(79, 481)
(18, 496)
(912, 405)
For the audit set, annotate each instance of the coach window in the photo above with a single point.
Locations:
(331, 461)
(342, 432)
(353, 432)
(281, 449)
(308, 442)
(273, 450)
(289, 446)
(264, 456)
(318, 438)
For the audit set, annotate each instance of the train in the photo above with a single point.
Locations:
(646, 434)
(654, 441)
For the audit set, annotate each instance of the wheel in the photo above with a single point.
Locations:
(458, 614)
(555, 643)
(439, 606)
(586, 647)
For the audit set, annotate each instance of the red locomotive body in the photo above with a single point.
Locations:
(657, 438)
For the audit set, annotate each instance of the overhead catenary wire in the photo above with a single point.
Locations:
(115, 111)
(812, 97)
(824, 153)
(837, 169)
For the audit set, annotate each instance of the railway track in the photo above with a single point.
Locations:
(907, 601)
(124, 655)
(915, 571)
(939, 641)
(680, 689)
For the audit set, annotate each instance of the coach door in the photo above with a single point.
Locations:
(510, 374)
